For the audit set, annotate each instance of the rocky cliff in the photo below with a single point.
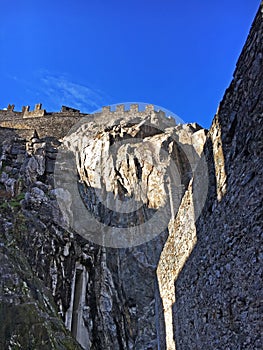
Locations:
(89, 215)
(127, 231)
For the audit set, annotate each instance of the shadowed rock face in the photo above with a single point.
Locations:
(219, 289)
(109, 235)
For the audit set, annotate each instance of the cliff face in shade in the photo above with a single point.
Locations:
(130, 232)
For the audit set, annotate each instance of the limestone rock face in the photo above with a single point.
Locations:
(131, 177)
(127, 173)
(79, 211)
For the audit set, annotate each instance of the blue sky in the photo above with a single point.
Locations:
(179, 54)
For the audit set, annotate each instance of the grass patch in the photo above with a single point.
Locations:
(13, 203)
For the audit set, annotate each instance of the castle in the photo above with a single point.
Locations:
(197, 285)
(58, 124)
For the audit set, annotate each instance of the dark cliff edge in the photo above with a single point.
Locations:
(194, 286)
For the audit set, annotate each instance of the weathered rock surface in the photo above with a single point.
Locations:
(107, 297)
(79, 255)
(218, 291)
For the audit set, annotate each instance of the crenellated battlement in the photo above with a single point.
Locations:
(36, 113)
(25, 113)
(59, 123)
(133, 109)
(25, 122)
(135, 113)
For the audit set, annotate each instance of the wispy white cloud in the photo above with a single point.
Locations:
(55, 90)
(62, 91)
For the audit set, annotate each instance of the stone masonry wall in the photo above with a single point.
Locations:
(59, 124)
(219, 290)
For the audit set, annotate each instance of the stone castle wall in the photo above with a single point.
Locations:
(24, 123)
(218, 289)
(58, 124)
